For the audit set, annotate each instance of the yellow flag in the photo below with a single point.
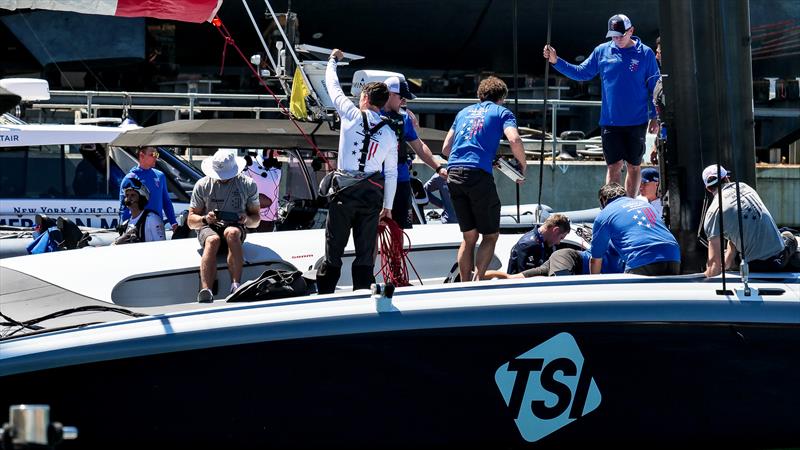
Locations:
(297, 101)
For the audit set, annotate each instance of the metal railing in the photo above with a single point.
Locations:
(89, 102)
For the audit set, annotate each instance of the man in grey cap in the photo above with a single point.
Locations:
(223, 204)
(403, 126)
(762, 245)
(629, 72)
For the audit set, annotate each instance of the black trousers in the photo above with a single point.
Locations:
(356, 208)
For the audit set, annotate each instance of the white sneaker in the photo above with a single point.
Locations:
(234, 287)
(205, 296)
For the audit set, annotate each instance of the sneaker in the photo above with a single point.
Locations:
(205, 296)
(234, 287)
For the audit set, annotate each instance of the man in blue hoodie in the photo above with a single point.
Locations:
(628, 71)
(156, 183)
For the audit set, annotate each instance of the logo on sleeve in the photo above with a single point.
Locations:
(547, 388)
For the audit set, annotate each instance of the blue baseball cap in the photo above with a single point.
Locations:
(649, 174)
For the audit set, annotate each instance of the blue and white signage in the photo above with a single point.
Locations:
(546, 388)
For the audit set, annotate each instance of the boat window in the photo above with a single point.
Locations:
(181, 176)
(295, 185)
(55, 171)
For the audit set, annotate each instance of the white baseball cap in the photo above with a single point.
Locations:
(710, 174)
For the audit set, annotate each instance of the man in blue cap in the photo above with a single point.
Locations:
(628, 71)
(648, 189)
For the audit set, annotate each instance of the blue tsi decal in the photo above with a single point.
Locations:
(546, 387)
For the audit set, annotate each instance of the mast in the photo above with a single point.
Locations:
(709, 106)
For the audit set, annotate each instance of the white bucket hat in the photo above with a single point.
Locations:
(224, 165)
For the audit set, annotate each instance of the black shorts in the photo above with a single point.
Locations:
(624, 143)
(475, 199)
(401, 206)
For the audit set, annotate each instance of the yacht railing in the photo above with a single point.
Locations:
(192, 103)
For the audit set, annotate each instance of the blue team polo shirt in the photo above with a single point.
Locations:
(410, 134)
(636, 231)
(477, 132)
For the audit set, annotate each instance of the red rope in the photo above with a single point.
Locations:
(223, 31)
(393, 256)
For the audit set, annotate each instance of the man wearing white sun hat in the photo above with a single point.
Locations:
(223, 204)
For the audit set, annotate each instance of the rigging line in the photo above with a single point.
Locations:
(718, 93)
(544, 112)
(223, 31)
(260, 37)
(743, 271)
(516, 89)
(291, 51)
(44, 47)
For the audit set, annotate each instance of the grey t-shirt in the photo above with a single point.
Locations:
(761, 236)
(234, 196)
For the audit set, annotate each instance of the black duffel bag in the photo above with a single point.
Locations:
(272, 284)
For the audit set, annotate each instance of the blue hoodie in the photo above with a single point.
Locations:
(628, 77)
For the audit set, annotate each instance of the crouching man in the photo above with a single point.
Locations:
(636, 231)
(766, 249)
(223, 204)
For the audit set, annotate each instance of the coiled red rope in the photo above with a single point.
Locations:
(393, 256)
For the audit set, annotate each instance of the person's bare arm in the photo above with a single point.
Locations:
(653, 126)
(713, 267)
(421, 149)
(448, 143)
(252, 218)
(595, 265)
(196, 215)
(512, 134)
(730, 256)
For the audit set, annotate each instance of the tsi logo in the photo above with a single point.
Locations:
(546, 387)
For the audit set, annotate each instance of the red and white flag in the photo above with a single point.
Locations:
(183, 10)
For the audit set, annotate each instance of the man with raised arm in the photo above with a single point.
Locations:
(364, 184)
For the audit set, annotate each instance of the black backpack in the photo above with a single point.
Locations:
(272, 284)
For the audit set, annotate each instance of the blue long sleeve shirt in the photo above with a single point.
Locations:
(628, 77)
(159, 200)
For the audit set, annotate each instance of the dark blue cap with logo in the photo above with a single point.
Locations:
(649, 174)
(618, 25)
